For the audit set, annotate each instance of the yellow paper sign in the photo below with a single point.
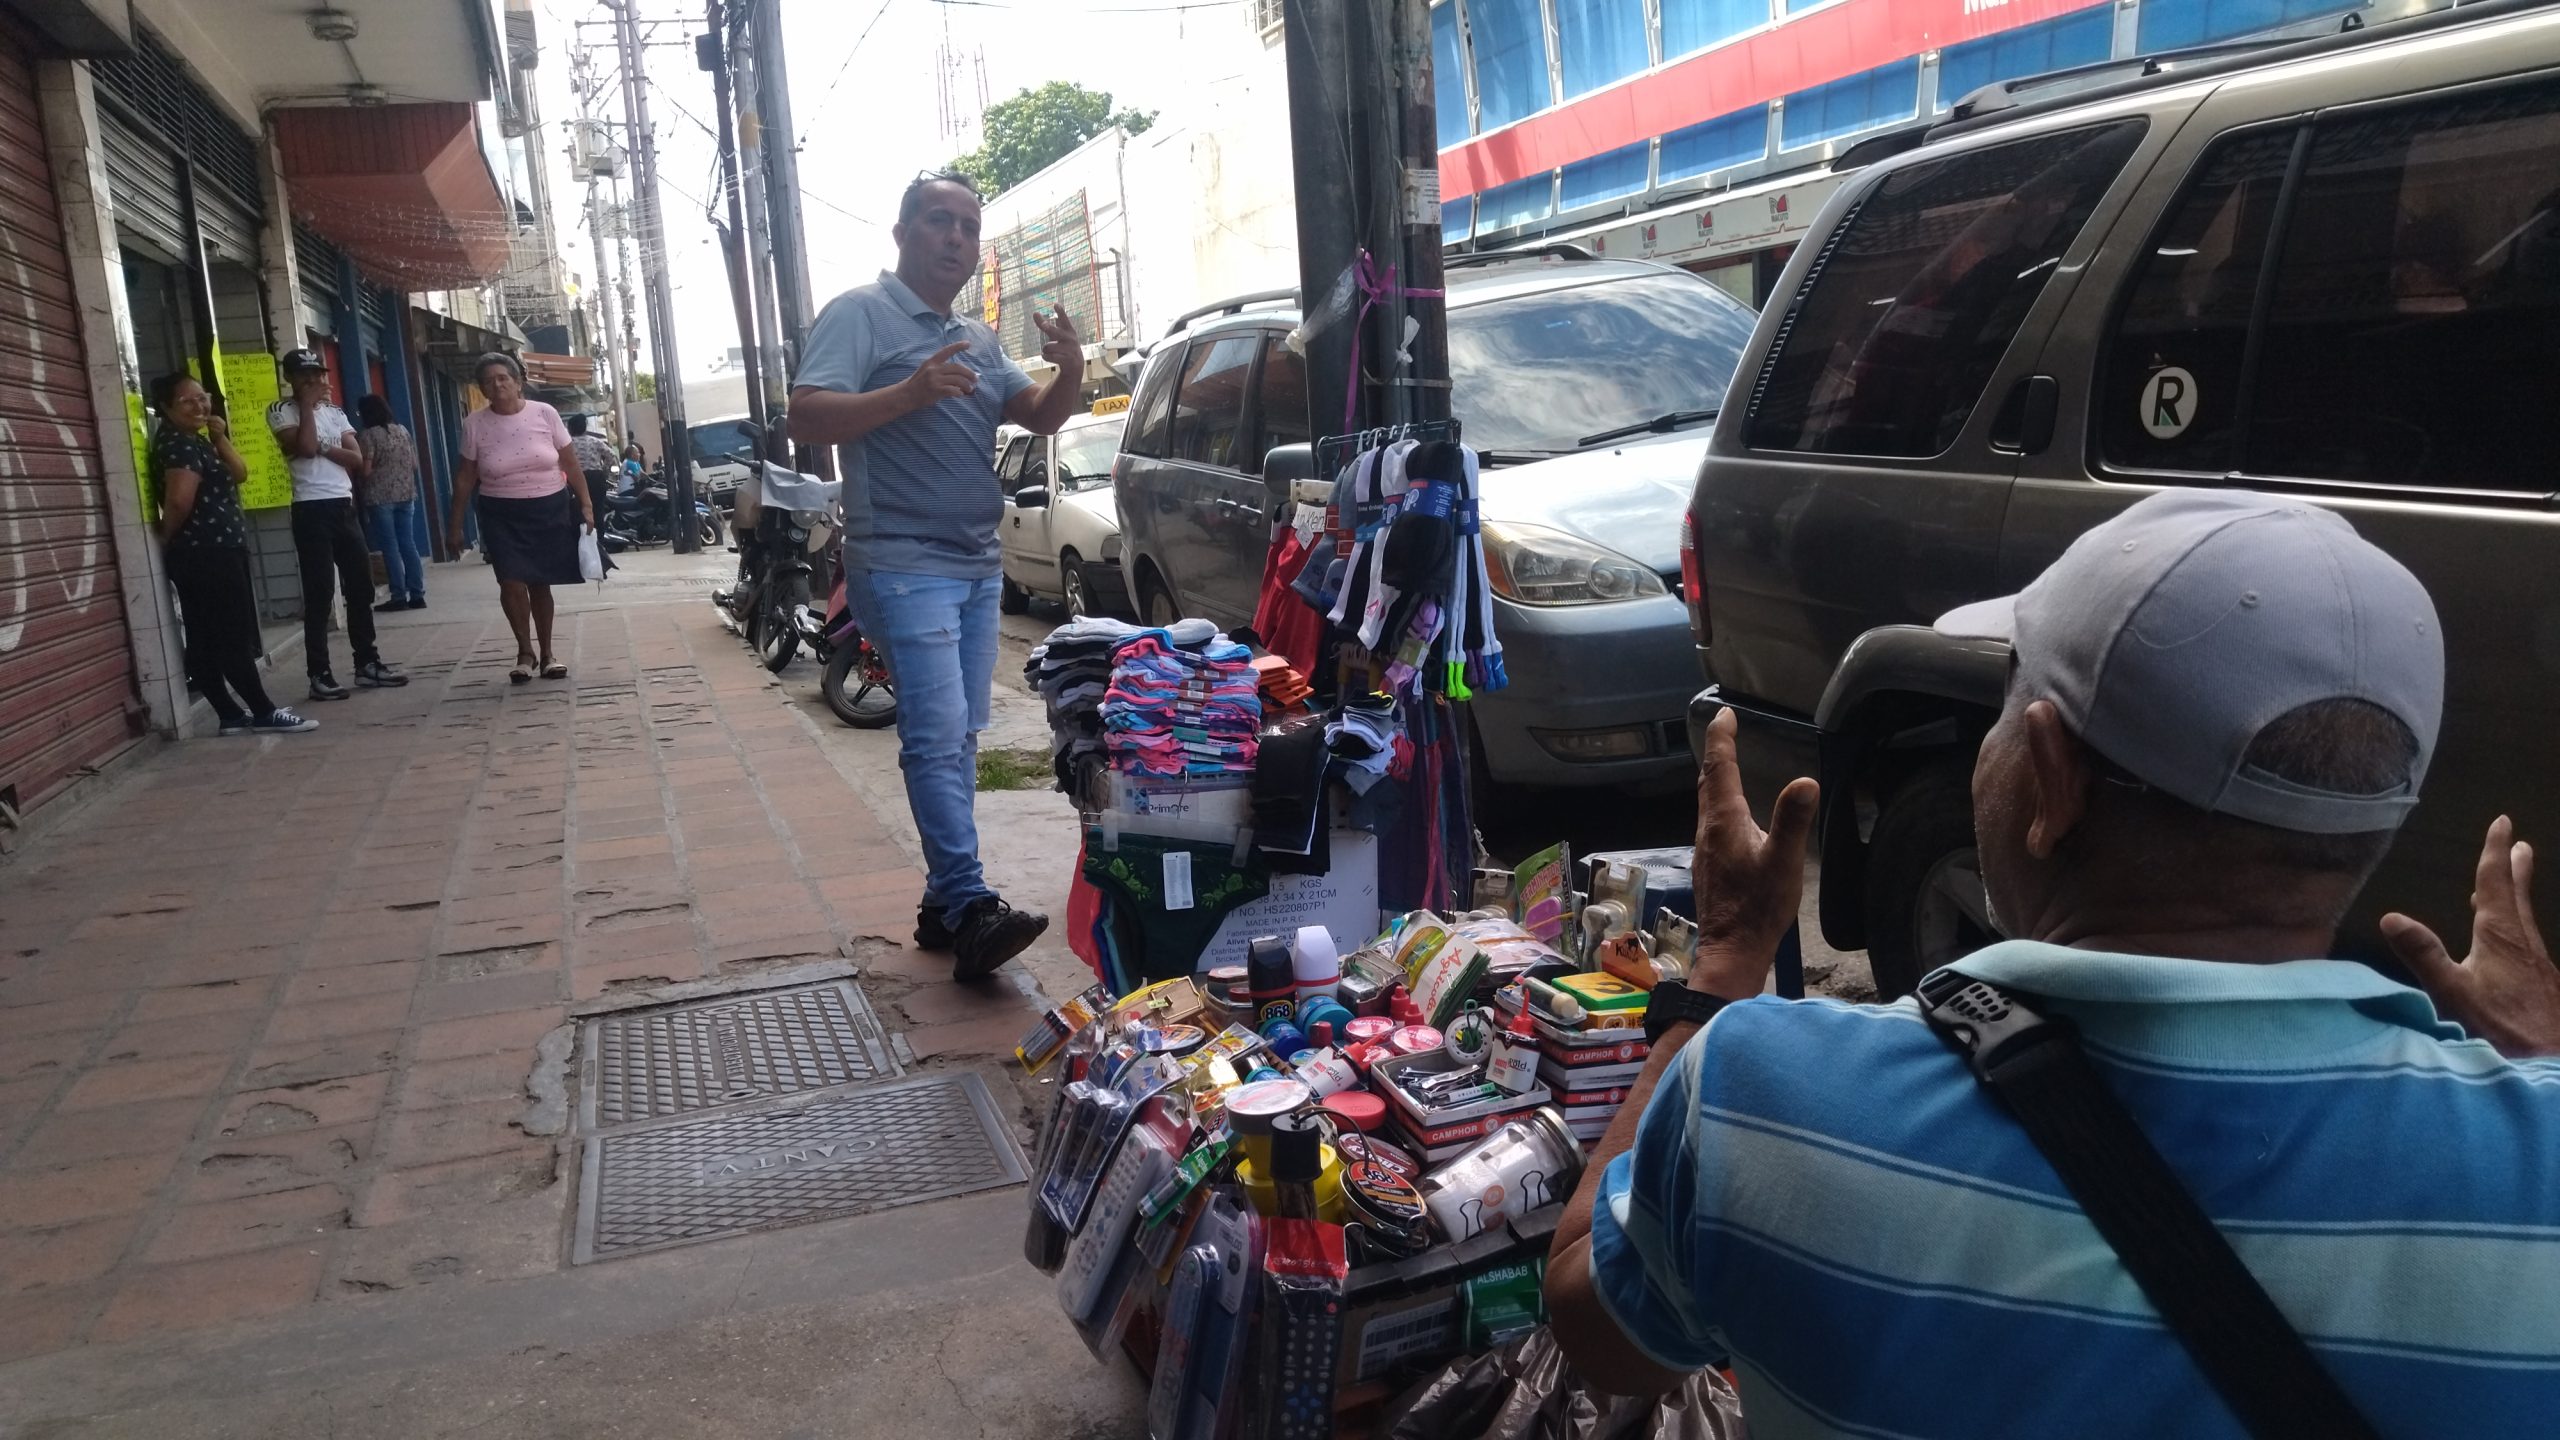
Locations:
(248, 388)
(138, 422)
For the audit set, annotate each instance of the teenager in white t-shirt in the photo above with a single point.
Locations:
(320, 449)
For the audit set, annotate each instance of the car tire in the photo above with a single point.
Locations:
(1078, 590)
(1012, 599)
(1924, 880)
(1156, 608)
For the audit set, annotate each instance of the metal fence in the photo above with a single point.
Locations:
(1035, 268)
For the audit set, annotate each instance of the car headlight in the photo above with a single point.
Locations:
(1533, 565)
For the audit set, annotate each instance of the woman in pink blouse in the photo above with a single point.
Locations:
(517, 459)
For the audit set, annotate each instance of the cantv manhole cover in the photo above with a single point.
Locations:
(674, 1183)
(655, 1064)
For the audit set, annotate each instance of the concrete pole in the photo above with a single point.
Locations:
(617, 370)
(770, 371)
(653, 251)
(782, 181)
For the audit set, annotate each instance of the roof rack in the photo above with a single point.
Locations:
(1558, 249)
(1232, 306)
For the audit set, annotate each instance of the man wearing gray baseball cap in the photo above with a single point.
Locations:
(2221, 709)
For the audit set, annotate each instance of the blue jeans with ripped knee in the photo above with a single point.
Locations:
(939, 637)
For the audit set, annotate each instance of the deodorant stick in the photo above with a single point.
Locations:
(1319, 968)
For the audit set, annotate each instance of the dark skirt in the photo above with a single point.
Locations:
(532, 542)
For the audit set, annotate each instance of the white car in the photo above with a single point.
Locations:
(1061, 526)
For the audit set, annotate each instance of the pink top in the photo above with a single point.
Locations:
(519, 454)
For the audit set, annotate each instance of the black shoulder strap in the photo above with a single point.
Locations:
(2211, 1302)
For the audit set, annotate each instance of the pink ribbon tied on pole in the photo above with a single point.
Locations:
(1375, 284)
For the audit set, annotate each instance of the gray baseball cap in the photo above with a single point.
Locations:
(2172, 634)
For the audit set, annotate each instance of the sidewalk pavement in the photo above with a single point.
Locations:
(269, 1011)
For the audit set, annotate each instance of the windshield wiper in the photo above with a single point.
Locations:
(1514, 457)
(1659, 425)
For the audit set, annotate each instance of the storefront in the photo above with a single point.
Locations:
(69, 694)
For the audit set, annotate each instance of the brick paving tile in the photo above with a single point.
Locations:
(514, 905)
(586, 982)
(485, 1034)
(68, 979)
(948, 1003)
(889, 882)
(635, 870)
(53, 1053)
(310, 1106)
(482, 997)
(154, 1126)
(204, 997)
(728, 930)
(21, 1099)
(248, 963)
(324, 1018)
(44, 1321)
(300, 1062)
(992, 1036)
(598, 947)
(750, 955)
(399, 1195)
(134, 1080)
(771, 896)
(188, 1035)
(519, 930)
(40, 1198)
(480, 964)
(346, 982)
(452, 1132)
(366, 950)
(210, 1292)
(472, 1077)
(64, 1255)
(256, 1165)
(250, 1222)
(53, 1017)
(768, 856)
(628, 848)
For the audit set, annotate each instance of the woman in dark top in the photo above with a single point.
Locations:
(204, 536)
(395, 515)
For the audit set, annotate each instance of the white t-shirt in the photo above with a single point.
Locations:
(318, 478)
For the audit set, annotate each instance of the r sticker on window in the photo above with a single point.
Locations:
(2168, 402)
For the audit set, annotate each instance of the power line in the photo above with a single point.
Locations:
(829, 93)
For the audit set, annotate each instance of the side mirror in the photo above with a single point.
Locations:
(1032, 497)
(1284, 469)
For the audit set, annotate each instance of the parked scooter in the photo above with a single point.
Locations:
(857, 683)
(783, 531)
(638, 519)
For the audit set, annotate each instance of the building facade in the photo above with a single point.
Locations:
(196, 189)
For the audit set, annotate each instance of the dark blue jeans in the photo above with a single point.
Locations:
(399, 531)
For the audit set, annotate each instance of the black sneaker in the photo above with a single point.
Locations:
(387, 606)
(325, 686)
(992, 932)
(281, 721)
(931, 933)
(234, 727)
(379, 675)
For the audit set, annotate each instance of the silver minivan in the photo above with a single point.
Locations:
(2327, 268)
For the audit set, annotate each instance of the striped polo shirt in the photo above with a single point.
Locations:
(920, 493)
(1823, 1196)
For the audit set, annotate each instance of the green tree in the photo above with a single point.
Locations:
(1027, 133)
(644, 386)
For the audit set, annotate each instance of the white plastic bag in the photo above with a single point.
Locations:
(590, 554)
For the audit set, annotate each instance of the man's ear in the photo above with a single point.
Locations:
(2060, 773)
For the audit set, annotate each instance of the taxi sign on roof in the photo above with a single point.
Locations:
(1110, 404)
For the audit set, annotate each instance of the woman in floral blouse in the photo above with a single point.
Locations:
(395, 515)
(204, 536)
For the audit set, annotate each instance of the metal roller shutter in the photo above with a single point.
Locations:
(164, 114)
(68, 697)
(144, 177)
(229, 227)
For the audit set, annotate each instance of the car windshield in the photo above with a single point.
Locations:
(1539, 371)
(718, 440)
(1085, 453)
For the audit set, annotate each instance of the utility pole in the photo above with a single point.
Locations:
(711, 53)
(782, 181)
(653, 250)
(617, 371)
(759, 247)
(1365, 156)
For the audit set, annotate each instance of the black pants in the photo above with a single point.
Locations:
(327, 538)
(220, 613)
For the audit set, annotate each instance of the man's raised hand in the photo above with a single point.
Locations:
(941, 378)
(1061, 343)
(2506, 991)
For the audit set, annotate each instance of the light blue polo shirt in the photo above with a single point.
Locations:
(1823, 1195)
(920, 492)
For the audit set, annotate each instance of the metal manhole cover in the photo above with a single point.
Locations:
(809, 1159)
(655, 1064)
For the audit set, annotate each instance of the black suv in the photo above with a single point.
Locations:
(2331, 270)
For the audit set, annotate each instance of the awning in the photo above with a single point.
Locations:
(1751, 217)
(454, 346)
(402, 188)
(567, 371)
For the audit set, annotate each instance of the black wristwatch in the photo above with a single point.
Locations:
(1671, 1002)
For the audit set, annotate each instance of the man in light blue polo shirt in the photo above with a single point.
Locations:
(911, 394)
(2222, 707)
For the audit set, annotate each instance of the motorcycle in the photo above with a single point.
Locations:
(857, 683)
(782, 530)
(640, 518)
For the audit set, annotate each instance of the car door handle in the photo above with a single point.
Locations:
(2024, 425)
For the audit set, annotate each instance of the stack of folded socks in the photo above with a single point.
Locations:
(1180, 708)
(1071, 671)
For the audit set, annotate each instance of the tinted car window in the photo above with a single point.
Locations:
(1208, 407)
(1085, 453)
(1540, 370)
(2414, 334)
(1281, 401)
(1894, 334)
(1009, 468)
(2172, 386)
(1151, 409)
(715, 441)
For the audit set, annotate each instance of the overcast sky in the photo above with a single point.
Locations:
(865, 98)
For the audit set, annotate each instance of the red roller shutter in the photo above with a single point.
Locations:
(68, 697)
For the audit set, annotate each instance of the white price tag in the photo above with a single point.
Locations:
(1177, 879)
